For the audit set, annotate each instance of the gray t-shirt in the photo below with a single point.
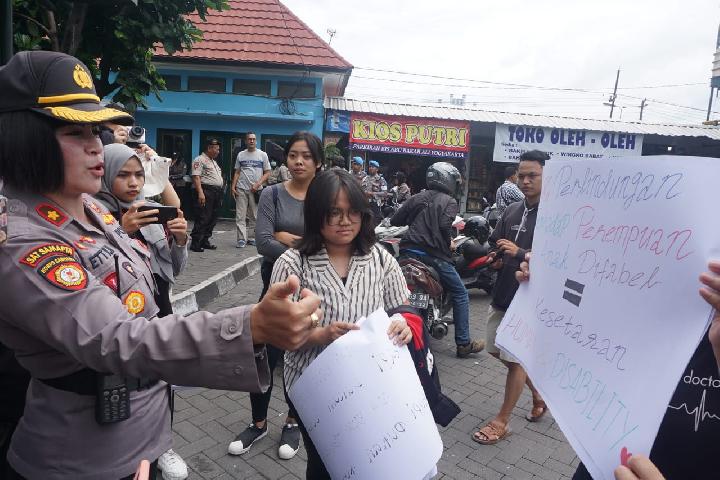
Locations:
(251, 166)
(286, 216)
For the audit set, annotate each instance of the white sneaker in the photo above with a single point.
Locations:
(173, 466)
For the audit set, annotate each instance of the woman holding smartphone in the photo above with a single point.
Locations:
(167, 243)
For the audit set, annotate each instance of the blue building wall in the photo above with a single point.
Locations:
(226, 115)
(229, 112)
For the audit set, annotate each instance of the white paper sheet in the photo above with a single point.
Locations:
(362, 404)
(612, 314)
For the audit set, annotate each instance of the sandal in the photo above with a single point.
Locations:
(491, 434)
(537, 412)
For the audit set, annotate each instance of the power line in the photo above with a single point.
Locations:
(516, 85)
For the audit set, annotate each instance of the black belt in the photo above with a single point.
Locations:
(218, 187)
(84, 382)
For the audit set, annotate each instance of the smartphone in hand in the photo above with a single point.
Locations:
(165, 214)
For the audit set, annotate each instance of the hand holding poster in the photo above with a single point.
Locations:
(612, 314)
(364, 408)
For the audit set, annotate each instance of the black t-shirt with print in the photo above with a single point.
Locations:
(687, 445)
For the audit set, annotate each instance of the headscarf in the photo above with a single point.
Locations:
(116, 156)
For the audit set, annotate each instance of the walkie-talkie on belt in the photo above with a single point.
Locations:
(112, 399)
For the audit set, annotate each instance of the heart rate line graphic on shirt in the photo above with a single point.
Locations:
(573, 292)
(698, 412)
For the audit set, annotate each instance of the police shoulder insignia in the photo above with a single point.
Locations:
(135, 302)
(65, 273)
(94, 207)
(108, 218)
(51, 214)
(46, 250)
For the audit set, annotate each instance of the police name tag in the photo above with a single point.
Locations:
(3, 220)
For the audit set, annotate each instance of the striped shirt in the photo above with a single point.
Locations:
(374, 281)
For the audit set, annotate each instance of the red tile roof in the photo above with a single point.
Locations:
(259, 31)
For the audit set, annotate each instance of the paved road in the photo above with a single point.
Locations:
(207, 420)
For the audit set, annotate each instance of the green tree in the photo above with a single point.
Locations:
(112, 37)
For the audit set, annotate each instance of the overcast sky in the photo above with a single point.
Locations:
(546, 43)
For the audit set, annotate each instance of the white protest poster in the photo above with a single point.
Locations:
(612, 314)
(362, 404)
(561, 143)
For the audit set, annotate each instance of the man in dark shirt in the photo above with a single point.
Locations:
(512, 239)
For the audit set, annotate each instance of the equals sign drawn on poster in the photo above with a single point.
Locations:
(573, 292)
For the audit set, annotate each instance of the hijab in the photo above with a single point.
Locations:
(116, 156)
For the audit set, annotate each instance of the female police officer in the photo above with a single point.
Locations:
(76, 303)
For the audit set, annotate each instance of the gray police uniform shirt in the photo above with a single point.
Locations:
(376, 185)
(60, 313)
(251, 166)
(208, 170)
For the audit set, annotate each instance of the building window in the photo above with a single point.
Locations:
(172, 82)
(251, 87)
(296, 90)
(206, 84)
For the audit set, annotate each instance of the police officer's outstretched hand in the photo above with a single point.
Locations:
(282, 322)
(133, 220)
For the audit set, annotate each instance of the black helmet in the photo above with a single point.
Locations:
(477, 227)
(444, 177)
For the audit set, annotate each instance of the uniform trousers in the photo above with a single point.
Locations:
(206, 217)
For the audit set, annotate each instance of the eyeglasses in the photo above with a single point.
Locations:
(336, 215)
(530, 176)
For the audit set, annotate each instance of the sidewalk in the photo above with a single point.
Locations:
(213, 273)
(207, 420)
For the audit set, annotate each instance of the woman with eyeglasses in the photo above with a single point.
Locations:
(337, 258)
(279, 225)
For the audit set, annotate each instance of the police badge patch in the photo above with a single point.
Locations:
(135, 302)
(65, 273)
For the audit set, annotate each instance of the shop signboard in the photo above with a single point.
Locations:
(562, 143)
(409, 135)
(337, 121)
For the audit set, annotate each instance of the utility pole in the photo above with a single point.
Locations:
(6, 31)
(332, 33)
(642, 107)
(614, 95)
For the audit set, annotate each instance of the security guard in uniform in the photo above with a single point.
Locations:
(77, 303)
(208, 194)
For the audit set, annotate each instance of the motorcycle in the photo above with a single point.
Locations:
(423, 281)
(472, 263)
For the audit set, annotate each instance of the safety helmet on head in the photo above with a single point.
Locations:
(444, 177)
(477, 227)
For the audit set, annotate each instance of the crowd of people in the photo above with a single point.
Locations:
(97, 235)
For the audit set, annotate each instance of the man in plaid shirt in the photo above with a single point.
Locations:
(508, 192)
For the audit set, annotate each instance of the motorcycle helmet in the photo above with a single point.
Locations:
(444, 177)
(477, 227)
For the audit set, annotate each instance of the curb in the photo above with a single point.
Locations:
(199, 296)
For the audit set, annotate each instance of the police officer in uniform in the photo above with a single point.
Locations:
(357, 169)
(208, 182)
(375, 187)
(77, 305)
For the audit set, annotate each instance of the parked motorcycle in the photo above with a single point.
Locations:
(471, 255)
